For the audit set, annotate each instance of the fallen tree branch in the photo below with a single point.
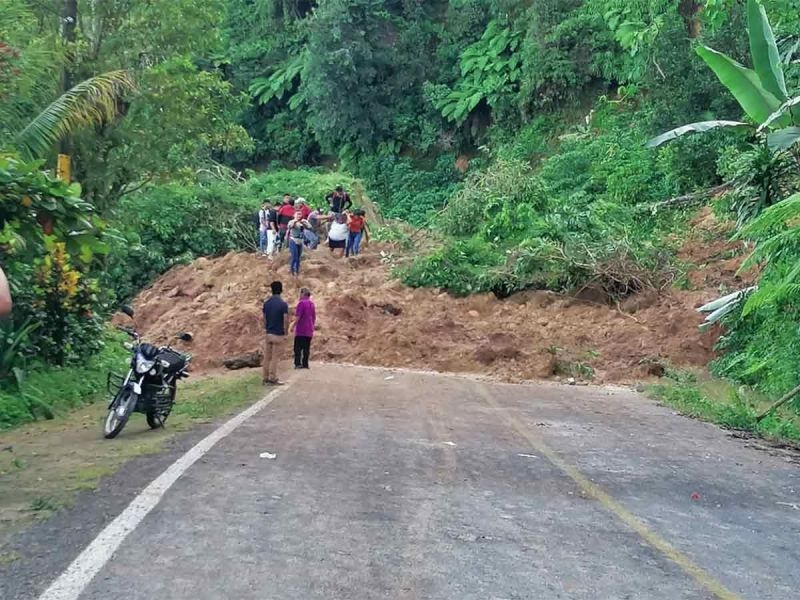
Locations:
(788, 396)
(691, 198)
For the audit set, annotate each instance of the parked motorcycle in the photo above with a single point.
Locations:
(149, 387)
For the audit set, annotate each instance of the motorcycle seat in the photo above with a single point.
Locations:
(176, 360)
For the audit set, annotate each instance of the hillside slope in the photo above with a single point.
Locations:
(366, 317)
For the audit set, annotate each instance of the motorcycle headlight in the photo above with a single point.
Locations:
(143, 365)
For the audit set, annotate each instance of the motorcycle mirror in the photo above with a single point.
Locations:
(127, 309)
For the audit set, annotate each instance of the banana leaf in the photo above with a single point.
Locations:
(720, 302)
(787, 107)
(783, 139)
(745, 86)
(764, 50)
(699, 127)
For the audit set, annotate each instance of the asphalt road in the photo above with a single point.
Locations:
(409, 486)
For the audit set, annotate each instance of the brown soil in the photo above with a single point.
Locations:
(366, 317)
(715, 258)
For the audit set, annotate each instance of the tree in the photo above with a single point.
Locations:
(350, 62)
(90, 103)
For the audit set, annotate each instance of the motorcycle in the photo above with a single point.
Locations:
(150, 385)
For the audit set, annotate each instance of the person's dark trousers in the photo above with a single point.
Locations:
(302, 348)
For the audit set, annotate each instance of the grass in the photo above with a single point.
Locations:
(63, 388)
(43, 465)
(701, 396)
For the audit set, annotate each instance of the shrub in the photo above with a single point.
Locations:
(460, 267)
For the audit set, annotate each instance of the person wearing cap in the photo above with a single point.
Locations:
(302, 205)
(303, 325)
(338, 200)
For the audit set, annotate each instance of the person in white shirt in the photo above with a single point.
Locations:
(337, 234)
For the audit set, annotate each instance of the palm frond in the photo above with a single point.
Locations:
(91, 102)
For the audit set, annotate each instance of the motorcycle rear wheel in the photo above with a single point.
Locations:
(156, 419)
(115, 422)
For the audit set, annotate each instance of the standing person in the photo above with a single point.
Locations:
(357, 228)
(5, 296)
(296, 233)
(276, 317)
(272, 231)
(285, 214)
(337, 235)
(338, 200)
(305, 320)
(263, 228)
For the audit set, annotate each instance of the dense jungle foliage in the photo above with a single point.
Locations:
(517, 131)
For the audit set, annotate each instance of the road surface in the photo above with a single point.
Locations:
(398, 485)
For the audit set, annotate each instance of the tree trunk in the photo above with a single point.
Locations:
(69, 21)
(690, 11)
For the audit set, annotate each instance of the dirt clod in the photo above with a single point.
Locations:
(245, 361)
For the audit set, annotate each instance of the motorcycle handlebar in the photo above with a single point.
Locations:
(128, 330)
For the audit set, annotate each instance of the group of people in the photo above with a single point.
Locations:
(278, 327)
(291, 222)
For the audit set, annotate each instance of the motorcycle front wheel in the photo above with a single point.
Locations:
(118, 414)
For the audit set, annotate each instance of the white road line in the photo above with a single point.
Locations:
(83, 569)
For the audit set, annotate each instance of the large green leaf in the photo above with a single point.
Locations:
(764, 50)
(91, 102)
(700, 127)
(784, 138)
(744, 84)
(790, 106)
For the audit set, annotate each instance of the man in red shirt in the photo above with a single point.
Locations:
(285, 214)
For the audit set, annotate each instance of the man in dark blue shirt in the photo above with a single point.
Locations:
(338, 200)
(276, 323)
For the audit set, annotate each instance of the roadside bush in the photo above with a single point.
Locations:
(50, 243)
(48, 390)
(460, 267)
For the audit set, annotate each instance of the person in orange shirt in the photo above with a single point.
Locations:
(357, 225)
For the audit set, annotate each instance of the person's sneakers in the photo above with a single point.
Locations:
(275, 382)
(297, 367)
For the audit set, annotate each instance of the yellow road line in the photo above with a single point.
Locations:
(609, 503)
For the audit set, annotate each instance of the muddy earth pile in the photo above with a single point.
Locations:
(367, 317)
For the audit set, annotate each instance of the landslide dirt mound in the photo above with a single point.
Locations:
(368, 318)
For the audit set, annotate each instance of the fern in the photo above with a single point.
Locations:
(490, 68)
(282, 81)
(777, 233)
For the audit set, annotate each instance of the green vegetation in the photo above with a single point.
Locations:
(48, 390)
(722, 403)
(514, 134)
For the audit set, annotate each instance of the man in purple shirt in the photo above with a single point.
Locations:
(305, 318)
